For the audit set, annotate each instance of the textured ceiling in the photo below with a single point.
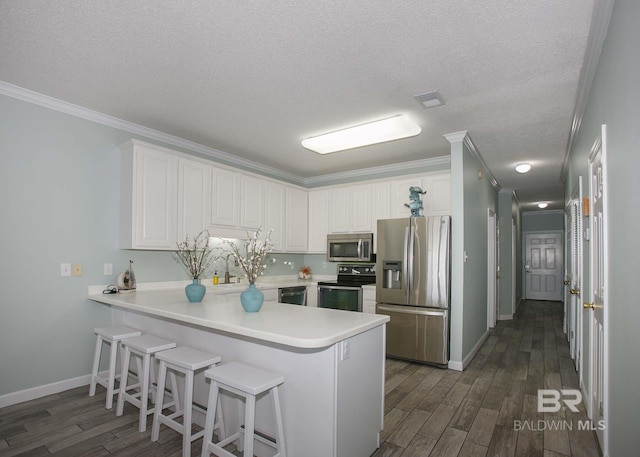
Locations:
(254, 78)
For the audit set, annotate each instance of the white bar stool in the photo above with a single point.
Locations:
(246, 382)
(187, 361)
(111, 336)
(143, 347)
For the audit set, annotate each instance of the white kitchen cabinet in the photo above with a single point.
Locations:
(400, 195)
(318, 220)
(194, 197)
(437, 201)
(380, 207)
(350, 209)
(296, 209)
(225, 198)
(251, 202)
(274, 216)
(369, 299)
(148, 199)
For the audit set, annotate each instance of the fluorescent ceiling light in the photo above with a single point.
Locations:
(393, 128)
(523, 167)
(542, 205)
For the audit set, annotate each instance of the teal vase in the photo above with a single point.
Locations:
(252, 299)
(195, 291)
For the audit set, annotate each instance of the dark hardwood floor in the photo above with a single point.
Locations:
(428, 411)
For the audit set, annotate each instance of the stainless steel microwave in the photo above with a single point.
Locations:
(350, 247)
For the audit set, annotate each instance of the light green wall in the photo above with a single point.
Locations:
(469, 237)
(615, 100)
(540, 221)
(507, 216)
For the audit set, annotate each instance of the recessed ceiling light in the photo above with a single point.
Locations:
(393, 128)
(542, 205)
(523, 167)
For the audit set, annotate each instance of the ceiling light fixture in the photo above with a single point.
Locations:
(543, 205)
(523, 167)
(393, 128)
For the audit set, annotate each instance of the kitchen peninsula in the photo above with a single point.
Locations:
(332, 361)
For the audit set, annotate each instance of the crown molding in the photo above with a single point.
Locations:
(394, 169)
(464, 137)
(61, 106)
(602, 10)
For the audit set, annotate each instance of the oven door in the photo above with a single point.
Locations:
(348, 298)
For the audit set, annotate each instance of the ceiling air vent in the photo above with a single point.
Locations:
(430, 99)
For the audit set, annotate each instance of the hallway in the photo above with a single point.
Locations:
(490, 409)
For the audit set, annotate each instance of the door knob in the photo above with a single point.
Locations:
(590, 306)
(574, 291)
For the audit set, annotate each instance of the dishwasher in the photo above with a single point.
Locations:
(296, 295)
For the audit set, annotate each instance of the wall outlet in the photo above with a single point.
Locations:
(345, 349)
(65, 269)
(77, 269)
(324, 265)
(108, 269)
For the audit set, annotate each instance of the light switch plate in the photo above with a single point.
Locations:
(65, 269)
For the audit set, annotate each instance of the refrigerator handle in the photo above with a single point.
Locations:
(410, 257)
(406, 274)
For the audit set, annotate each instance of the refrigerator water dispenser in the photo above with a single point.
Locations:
(392, 274)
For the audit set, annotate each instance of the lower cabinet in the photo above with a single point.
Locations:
(369, 299)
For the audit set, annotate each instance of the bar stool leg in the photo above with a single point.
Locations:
(210, 419)
(124, 377)
(162, 376)
(144, 392)
(277, 416)
(249, 424)
(112, 373)
(187, 413)
(96, 365)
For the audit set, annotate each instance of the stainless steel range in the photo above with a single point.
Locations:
(346, 292)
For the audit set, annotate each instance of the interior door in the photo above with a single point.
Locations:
(597, 306)
(543, 266)
(574, 274)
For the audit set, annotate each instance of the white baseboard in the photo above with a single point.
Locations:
(42, 391)
(505, 317)
(460, 366)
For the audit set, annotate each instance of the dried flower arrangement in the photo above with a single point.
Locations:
(305, 273)
(256, 250)
(196, 257)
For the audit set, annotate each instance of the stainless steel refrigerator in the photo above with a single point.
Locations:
(413, 287)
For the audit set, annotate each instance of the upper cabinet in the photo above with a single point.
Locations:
(350, 209)
(148, 198)
(296, 213)
(194, 197)
(274, 214)
(357, 208)
(167, 196)
(438, 198)
(225, 198)
(318, 220)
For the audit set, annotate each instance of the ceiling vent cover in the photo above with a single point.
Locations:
(430, 99)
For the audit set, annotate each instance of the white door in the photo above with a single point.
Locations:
(573, 303)
(543, 266)
(597, 306)
(492, 270)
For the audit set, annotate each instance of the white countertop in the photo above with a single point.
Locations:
(290, 325)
